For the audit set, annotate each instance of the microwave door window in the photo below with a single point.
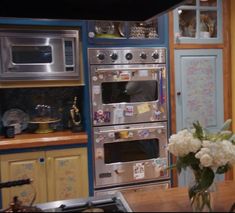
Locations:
(130, 92)
(31, 54)
(131, 151)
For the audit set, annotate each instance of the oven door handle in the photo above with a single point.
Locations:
(120, 130)
(105, 70)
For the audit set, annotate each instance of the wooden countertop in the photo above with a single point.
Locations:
(42, 140)
(176, 199)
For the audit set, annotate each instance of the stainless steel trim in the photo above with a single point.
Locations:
(129, 129)
(98, 70)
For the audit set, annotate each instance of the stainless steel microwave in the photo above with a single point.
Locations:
(39, 54)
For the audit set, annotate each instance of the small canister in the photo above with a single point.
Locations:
(9, 131)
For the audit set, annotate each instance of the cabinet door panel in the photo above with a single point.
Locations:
(199, 79)
(199, 83)
(23, 166)
(67, 174)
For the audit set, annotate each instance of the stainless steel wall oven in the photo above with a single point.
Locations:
(129, 115)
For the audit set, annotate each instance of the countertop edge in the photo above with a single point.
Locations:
(43, 140)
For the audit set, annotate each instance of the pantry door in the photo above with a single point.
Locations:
(199, 91)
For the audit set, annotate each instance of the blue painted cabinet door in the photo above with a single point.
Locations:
(199, 91)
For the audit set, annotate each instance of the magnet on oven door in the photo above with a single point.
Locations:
(143, 133)
(101, 76)
(162, 109)
(99, 116)
(94, 78)
(99, 139)
(96, 89)
(111, 135)
(138, 171)
(158, 113)
(129, 111)
(107, 116)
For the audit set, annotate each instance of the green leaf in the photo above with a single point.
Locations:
(226, 125)
(232, 139)
(225, 135)
(222, 169)
(207, 178)
(198, 130)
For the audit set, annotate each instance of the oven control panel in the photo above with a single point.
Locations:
(126, 55)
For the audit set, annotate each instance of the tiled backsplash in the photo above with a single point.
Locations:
(26, 99)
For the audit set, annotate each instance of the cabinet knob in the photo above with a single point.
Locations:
(178, 93)
(41, 160)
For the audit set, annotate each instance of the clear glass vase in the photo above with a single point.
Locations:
(203, 200)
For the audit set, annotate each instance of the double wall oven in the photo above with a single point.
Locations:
(129, 108)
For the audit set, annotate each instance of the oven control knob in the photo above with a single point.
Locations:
(114, 56)
(155, 56)
(101, 56)
(143, 55)
(129, 56)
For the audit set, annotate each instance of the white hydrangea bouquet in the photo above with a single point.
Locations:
(206, 154)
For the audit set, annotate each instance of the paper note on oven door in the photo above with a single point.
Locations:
(142, 108)
(143, 73)
(138, 170)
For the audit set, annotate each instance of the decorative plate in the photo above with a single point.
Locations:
(15, 116)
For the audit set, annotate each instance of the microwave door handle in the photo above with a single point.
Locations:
(119, 130)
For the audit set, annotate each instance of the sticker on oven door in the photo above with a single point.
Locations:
(143, 133)
(142, 108)
(94, 78)
(129, 111)
(161, 162)
(124, 76)
(102, 116)
(138, 171)
(96, 90)
(143, 73)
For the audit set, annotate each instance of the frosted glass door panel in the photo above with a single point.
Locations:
(199, 78)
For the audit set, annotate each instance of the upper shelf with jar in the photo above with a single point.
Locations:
(198, 21)
(125, 32)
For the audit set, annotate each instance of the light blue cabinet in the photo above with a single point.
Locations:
(199, 22)
(199, 91)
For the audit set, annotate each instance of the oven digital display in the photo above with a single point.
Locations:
(31, 54)
(129, 91)
(131, 151)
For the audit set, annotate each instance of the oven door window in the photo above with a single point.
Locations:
(131, 151)
(31, 54)
(131, 91)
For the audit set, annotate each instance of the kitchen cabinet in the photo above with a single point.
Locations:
(198, 22)
(56, 175)
(124, 32)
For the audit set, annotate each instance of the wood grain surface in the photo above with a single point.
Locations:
(42, 140)
(176, 199)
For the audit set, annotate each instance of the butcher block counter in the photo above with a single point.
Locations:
(42, 140)
(176, 199)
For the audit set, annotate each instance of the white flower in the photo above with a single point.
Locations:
(206, 160)
(216, 154)
(183, 143)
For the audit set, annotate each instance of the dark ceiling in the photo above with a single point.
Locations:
(122, 10)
